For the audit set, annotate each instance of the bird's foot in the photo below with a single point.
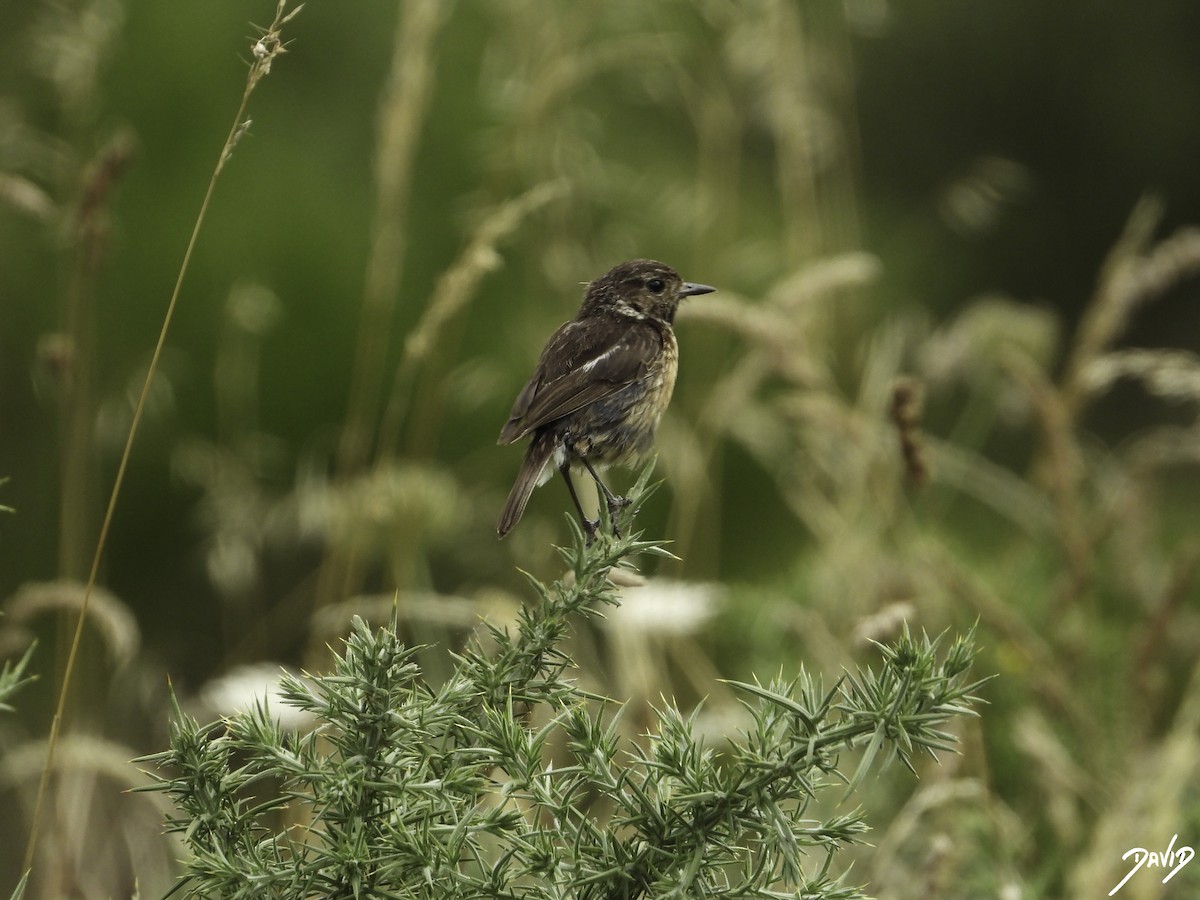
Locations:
(615, 505)
(589, 530)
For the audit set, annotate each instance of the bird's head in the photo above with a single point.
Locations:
(640, 289)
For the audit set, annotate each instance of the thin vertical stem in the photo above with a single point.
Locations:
(265, 50)
(401, 115)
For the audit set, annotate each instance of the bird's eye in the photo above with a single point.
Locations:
(656, 285)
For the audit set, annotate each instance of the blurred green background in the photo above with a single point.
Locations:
(992, 199)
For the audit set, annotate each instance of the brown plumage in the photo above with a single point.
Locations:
(601, 384)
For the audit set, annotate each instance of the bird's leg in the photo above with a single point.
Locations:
(589, 525)
(615, 503)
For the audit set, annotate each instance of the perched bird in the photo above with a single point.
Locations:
(600, 386)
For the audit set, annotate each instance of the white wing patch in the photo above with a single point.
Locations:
(592, 363)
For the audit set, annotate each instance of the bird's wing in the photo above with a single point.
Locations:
(583, 362)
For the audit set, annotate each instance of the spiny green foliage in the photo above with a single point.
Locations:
(508, 780)
(13, 677)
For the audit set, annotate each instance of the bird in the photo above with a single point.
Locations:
(600, 387)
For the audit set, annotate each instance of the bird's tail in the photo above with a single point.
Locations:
(532, 474)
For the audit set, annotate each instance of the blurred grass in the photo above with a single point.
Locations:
(1059, 510)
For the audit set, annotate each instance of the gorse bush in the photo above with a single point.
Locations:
(509, 780)
(13, 677)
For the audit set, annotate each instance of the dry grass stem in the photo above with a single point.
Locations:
(1135, 272)
(76, 405)
(1153, 798)
(454, 291)
(115, 624)
(1062, 469)
(257, 69)
(1164, 615)
(402, 111)
(906, 416)
(1173, 375)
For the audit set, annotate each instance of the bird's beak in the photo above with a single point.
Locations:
(691, 290)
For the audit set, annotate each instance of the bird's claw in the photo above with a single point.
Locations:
(589, 530)
(591, 527)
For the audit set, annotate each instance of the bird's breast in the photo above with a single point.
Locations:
(620, 429)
